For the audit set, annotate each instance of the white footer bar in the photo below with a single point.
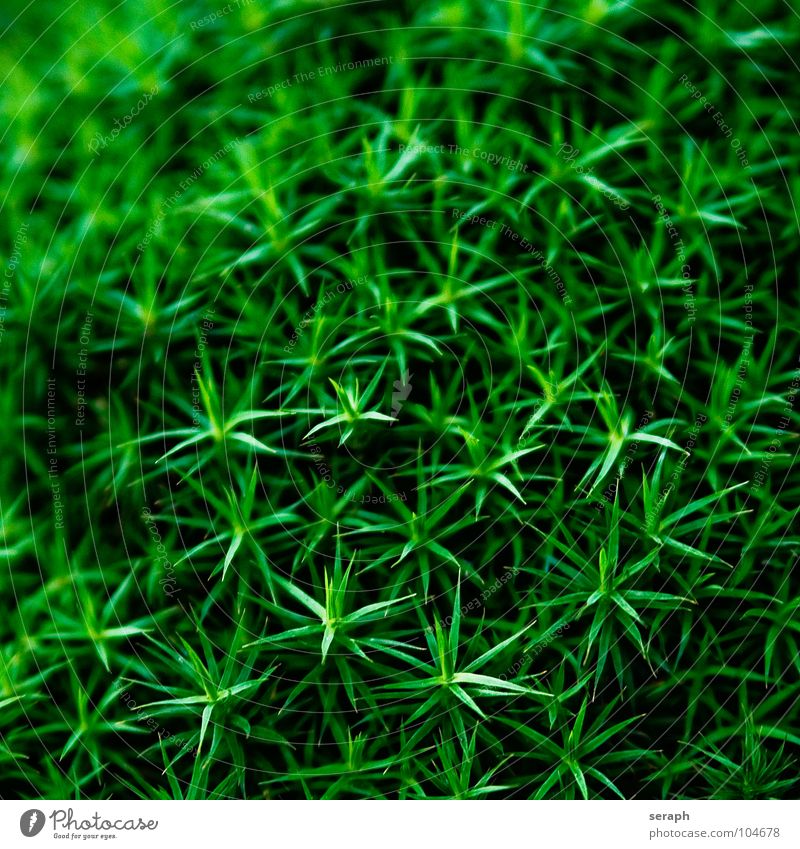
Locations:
(483, 824)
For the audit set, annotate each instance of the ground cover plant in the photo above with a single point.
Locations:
(400, 400)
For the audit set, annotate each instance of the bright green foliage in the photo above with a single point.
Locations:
(400, 403)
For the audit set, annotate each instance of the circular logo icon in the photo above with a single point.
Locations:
(31, 822)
